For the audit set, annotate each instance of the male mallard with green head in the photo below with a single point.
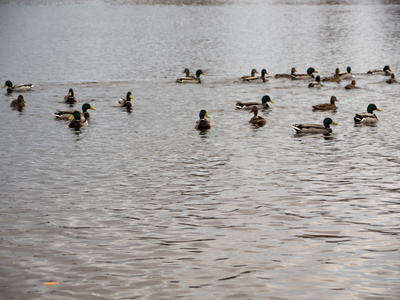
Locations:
(258, 79)
(256, 119)
(203, 123)
(310, 72)
(249, 104)
(191, 79)
(125, 102)
(367, 118)
(315, 128)
(316, 82)
(77, 120)
(347, 74)
(19, 88)
(327, 106)
(70, 97)
(66, 114)
(385, 71)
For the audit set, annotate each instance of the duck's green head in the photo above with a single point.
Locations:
(264, 72)
(86, 106)
(371, 108)
(128, 96)
(310, 71)
(387, 68)
(198, 73)
(71, 93)
(266, 99)
(348, 69)
(8, 83)
(76, 115)
(329, 121)
(203, 114)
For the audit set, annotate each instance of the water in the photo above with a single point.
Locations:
(141, 206)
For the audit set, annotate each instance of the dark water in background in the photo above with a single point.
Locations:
(142, 206)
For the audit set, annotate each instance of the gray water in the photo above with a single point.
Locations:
(140, 205)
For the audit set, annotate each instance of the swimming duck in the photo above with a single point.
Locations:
(385, 71)
(70, 98)
(21, 87)
(347, 74)
(309, 74)
(352, 85)
(66, 114)
(18, 103)
(253, 75)
(392, 79)
(125, 102)
(368, 117)
(293, 72)
(77, 120)
(203, 123)
(316, 82)
(315, 128)
(249, 104)
(258, 79)
(334, 78)
(327, 106)
(256, 120)
(191, 79)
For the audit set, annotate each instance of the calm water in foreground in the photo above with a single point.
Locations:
(142, 206)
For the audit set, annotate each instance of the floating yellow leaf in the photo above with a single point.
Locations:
(51, 283)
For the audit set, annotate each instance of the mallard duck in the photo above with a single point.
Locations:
(392, 79)
(385, 71)
(258, 79)
(21, 87)
(203, 123)
(316, 82)
(66, 114)
(77, 121)
(309, 74)
(368, 117)
(18, 103)
(253, 75)
(327, 106)
(249, 104)
(347, 74)
(70, 98)
(334, 78)
(256, 120)
(292, 73)
(352, 85)
(125, 102)
(315, 128)
(188, 76)
(191, 79)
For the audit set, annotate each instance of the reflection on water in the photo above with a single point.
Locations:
(139, 204)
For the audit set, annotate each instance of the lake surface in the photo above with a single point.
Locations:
(140, 205)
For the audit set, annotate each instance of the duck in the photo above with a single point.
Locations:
(310, 72)
(66, 114)
(21, 87)
(292, 72)
(385, 71)
(347, 74)
(315, 128)
(70, 98)
(203, 123)
(334, 78)
(352, 85)
(392, 79)
(191, 79)
(125, 102)
(253, 75)
(249, 104)
(77, 120)
(188, 76)
(18, 103)
(369, 117)
(327, 106)
(256, 120)
(316, 82)
(258, 79)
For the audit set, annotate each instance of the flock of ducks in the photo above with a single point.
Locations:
(360, 118)
(80, 119)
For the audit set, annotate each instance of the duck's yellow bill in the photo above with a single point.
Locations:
(4, 86)
(207, 115)
(71, 117)
(334, 123)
